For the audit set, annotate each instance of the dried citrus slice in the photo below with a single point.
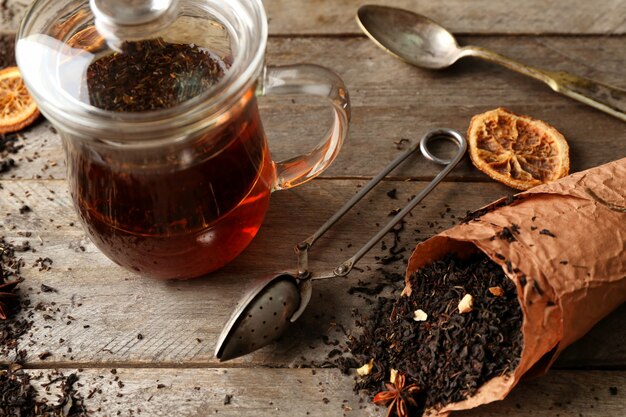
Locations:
(17, 107)
(517, 150)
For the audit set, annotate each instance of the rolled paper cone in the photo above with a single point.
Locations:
(566, 257)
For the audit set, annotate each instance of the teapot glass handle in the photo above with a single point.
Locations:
(314, 80)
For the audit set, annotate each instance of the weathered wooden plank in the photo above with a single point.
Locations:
(114, 301)
(478, 17)
(393, 100)
(323, 392)
(100, 309)
(201, 392)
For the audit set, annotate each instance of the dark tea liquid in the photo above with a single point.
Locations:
(182, 219)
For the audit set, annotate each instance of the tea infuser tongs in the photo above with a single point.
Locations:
(276, 301)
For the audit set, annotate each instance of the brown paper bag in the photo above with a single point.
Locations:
(568, 261)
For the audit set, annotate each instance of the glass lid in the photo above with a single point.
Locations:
(138, 56)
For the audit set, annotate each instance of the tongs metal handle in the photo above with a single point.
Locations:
(423, 145)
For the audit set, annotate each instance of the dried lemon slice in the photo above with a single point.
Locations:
(17, 107)
(517, 150)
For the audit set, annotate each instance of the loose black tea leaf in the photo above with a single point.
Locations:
(151, 75)
(448, 355)
(508, 233)
(400, 143)
(546, 232)
(44, 355)
(44, 264)
(8, 146)
(10, 302)
(18, 396)
(474, 215)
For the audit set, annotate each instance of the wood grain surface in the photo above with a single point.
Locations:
(392, 100)
(331, 17)
(320, 393)
(160, 336)
(100, 309)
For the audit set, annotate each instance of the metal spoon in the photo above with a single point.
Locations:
(418, 40)
(276, 301)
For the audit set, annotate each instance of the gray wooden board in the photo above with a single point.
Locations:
(100, 309)
(477, 16)
(262, 392)
(289, 17)
(392, 100)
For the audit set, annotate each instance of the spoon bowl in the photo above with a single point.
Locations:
(409, 36)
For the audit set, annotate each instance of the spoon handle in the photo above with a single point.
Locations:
(603, 97)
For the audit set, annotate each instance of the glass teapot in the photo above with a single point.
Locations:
(155, 100)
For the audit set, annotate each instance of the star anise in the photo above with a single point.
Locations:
(8, 300)
(398, 397)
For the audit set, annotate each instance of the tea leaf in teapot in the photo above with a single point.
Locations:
(151, 75)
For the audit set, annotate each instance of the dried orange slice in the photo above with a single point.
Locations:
(517, 150)
(17, 107)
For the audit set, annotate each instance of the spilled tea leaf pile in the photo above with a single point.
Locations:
(151, 75)
(11, 328)
(447, 353)
(18, 397)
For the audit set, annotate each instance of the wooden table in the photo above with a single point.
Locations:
(101, 309)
